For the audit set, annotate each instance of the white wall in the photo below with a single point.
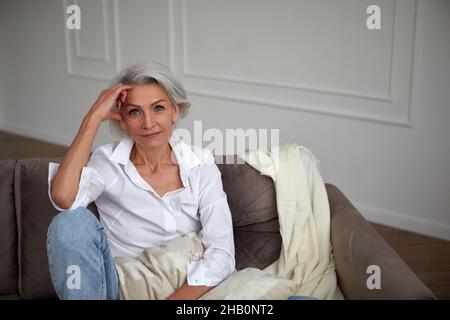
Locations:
(372, 105)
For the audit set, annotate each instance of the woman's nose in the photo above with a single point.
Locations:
(147, 122)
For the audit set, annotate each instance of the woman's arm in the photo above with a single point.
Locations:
(187, 292)
(218, 261)
(65, 184)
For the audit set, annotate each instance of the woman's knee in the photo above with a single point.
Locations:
(79, 223)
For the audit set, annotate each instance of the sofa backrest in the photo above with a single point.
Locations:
(251, 198)
(8, 230)
(34, 213)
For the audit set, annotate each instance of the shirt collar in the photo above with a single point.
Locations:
(184, 155)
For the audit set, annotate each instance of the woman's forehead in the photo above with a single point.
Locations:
(146, 93)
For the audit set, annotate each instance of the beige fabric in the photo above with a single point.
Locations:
(304, 217)
(252, 284)
(305, 266)
(158, 271)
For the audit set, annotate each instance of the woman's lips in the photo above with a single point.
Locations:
(149, 136)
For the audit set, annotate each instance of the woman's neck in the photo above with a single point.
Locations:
(151, 158)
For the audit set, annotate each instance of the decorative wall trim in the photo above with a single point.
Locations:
(106, 54)
(91, 66)
(394, 108)
(285, 85)
(404, 222)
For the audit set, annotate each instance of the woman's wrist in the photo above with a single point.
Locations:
(91, 119)
(187, 292)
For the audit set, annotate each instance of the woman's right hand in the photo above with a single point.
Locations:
(102, 107)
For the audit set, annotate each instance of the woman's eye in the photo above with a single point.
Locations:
(133, 112)
(159, 108)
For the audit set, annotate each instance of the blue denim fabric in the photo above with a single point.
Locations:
(80, 261)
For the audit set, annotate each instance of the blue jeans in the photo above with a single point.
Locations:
(80, 261)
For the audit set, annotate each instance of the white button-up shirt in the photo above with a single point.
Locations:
(135, 217)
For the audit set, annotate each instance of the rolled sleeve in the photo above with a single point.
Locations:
(90, 187)
(218, 260)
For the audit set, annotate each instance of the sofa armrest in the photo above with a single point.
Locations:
(357, 246)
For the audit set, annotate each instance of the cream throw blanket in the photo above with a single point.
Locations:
(304, 216)
(305, 266)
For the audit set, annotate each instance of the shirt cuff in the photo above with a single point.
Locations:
(210, 271)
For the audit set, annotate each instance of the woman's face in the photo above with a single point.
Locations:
(147, 110)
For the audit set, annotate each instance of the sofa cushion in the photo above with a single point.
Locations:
(34, 213)
(8, 230)
(252, 200)
(251, 195)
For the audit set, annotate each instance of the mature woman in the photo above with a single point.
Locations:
(149, 188)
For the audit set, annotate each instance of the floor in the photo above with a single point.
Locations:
(428, 257)
(16, 147)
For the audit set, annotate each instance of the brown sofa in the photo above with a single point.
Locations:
(26, 213)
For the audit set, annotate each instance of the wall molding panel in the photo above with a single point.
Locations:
(93, 51)
(312, 82)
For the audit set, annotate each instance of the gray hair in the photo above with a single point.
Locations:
(147, 73)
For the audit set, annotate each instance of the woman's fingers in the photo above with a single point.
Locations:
(102, 107)
(121, 99)
(122, 87)
(119, 88)
(120, 91)
(123, 96)
(116, 91)
(113, 88)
